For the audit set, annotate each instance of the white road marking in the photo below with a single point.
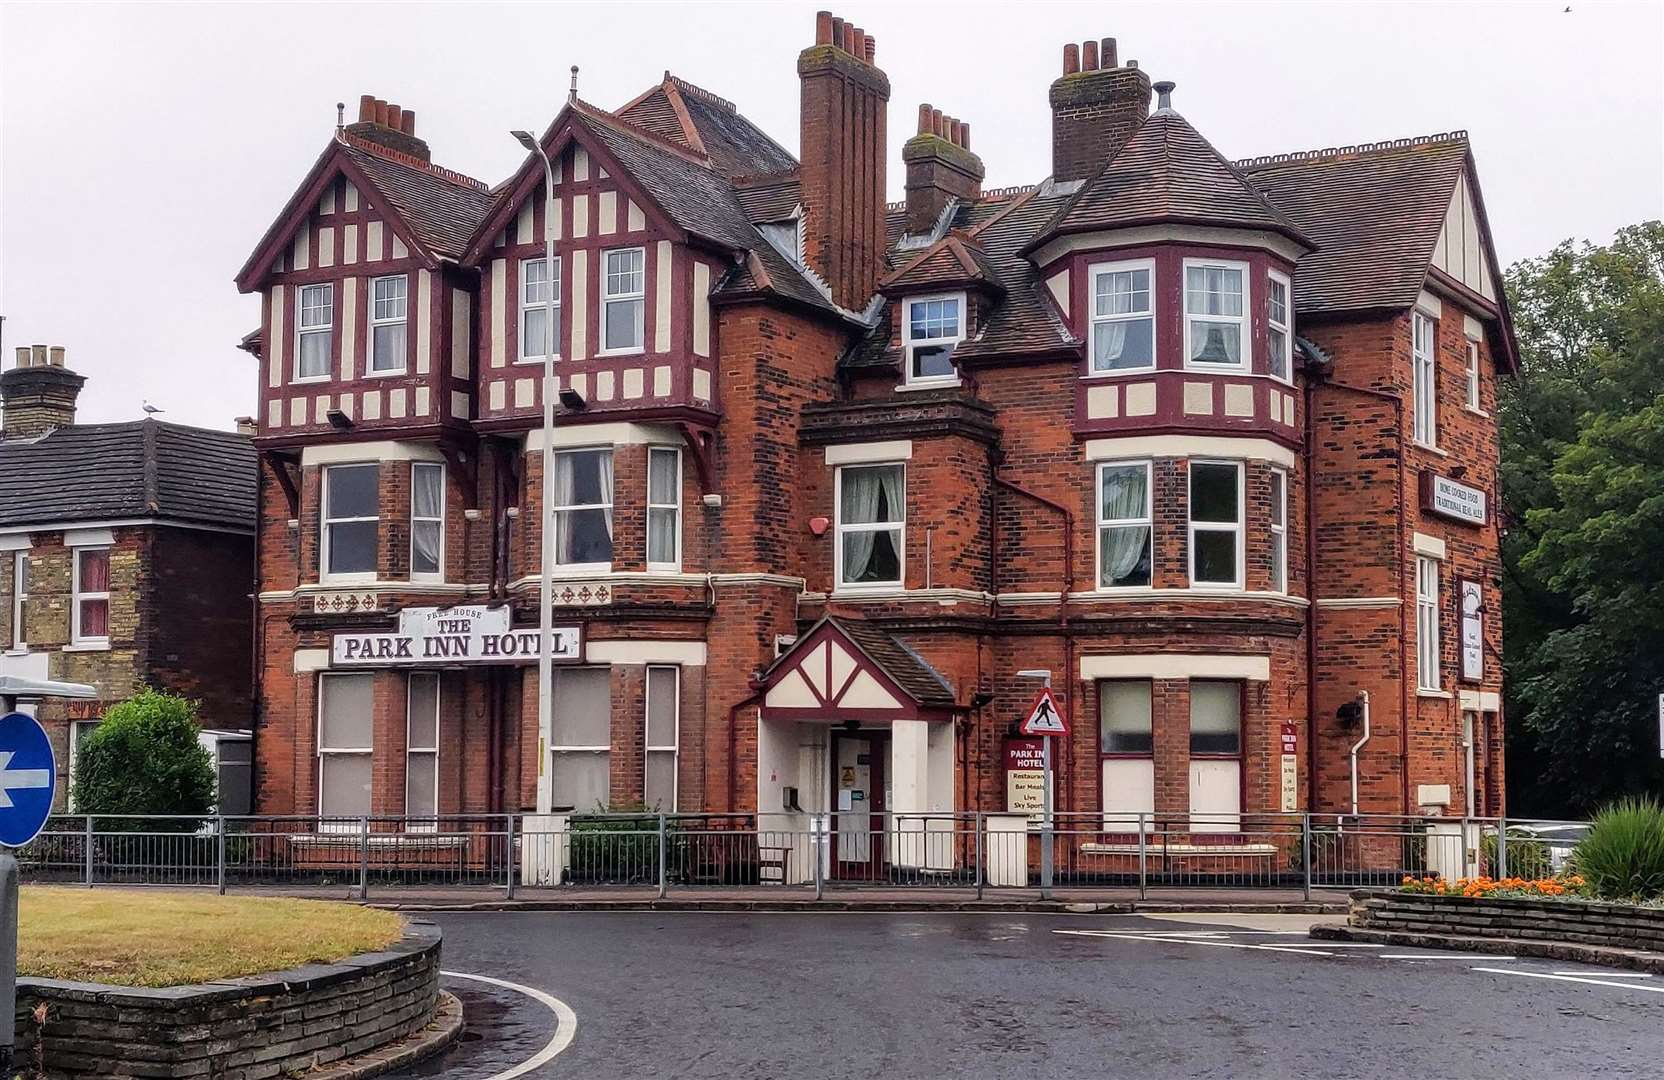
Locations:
(1571, 978)
(566, 1023)
(1610, 974)
(1436, 956)
(1195, 941)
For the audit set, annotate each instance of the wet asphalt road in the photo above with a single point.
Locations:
(861, 996)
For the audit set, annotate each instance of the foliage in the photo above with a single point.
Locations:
(145, 759)
(1527, 857)
(1582, 431)
(619, 846)
(1622, 855)
(1505, 887)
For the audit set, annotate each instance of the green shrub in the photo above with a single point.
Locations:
(1528, 857)
(145, 759)
(1622, 855)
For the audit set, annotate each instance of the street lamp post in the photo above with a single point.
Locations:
(1047, 826)
(545, 601)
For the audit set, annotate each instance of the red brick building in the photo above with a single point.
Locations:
(1209, 441)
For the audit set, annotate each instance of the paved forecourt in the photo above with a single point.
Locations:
(854, 995)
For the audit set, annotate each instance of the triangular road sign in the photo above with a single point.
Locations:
(1044, 717)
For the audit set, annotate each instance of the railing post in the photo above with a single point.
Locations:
(818, 843)
(662, 860)
(364, 857)
(219, 830)
(1306, 854)
(86, 849)
(980, 874)
(1143, 859)
(509, 860)
(1501, 847)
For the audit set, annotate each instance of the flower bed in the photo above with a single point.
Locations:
(1528, 888)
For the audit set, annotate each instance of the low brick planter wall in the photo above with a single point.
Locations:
(246, 1028)
(1612, 926)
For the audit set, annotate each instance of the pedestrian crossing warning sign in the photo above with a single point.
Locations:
(1044, 717)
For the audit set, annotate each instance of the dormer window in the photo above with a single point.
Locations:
(1215, 314)
(1123, 317)
(1279, 336)
(314, 331)
(933, 326)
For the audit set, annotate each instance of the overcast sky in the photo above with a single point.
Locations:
(146, 147)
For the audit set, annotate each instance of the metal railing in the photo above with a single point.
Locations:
(655, 854)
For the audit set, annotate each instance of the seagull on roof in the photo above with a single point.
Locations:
(151, 410)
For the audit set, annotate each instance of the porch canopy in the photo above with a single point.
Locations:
(846, 670)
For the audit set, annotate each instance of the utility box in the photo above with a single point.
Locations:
(233, 756)
(1005, 850)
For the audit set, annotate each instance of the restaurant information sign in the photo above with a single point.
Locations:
(1452, 499)
(1025, 783)
(465, 634)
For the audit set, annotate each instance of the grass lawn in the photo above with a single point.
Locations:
(149, 938)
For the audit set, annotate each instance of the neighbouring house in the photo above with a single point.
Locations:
(1211, 442)
(126, 560)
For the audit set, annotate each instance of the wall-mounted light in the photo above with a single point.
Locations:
(572, 399)
(338, 420)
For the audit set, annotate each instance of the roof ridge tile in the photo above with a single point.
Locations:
(410, 161)
(1456, 135)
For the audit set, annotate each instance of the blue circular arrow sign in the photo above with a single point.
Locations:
(28, 776)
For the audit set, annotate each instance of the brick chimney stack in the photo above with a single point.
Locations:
(388, 125)
(940, 166)
(842, 172)
(38, 394)
(1096, 106)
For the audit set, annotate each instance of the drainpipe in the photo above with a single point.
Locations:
(733, 738)
(1363, 697)
(1309, 452)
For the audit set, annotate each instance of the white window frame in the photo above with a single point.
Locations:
(585, 748)
(324, 752)
(1192, 527)
(1279, 530)
(528, 305)
(674, 750)
(608, 298)
(839, 528)
(375, 321)
(430, 576)
(1427, 623)
(592, 567)
(1095, 320)
(303, 329)
(422, 822)
(324, 522)
(20, 602)
(1424, 379)
(673, 507)
(1147, 520)
(1244, 321)
(77, 595)
(909, 342)
(1474, 404)
(1286, 326)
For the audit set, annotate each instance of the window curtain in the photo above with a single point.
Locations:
(565, 487)
(603, 467)
(1125, 495)
(1112, 342)
(424, 533)
(861, 494)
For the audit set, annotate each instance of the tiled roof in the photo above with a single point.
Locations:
(708, 124)
(142, 469)
(770, 198)
(441, 211)
(1374, 212)
(1167, 172)
(908, 669)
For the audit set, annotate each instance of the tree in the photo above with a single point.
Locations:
(1582, 431)
(145, 759)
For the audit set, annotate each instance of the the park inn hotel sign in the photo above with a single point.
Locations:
(453, 635)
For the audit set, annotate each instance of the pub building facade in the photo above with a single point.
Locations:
(1211, 442)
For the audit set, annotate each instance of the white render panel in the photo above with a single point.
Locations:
(396, 405)
(607, 213)
(685, 653)
(1431, 546)
(372, 404)
(1058, 284)
(1473, 259)
(499, 394)
(580, 303)
(791, 692)
(326, 246)
(1103, 402)
(523, 223)
(424, 322)
(373, 246)
(860, 453)
(399, 250)
(326, 205)
(274, 414)
(1473, 328)
(299, 258)
(345, 405)
(557, 216)
(310, 660)
(423, 400)
(349, 243)
(617, 433)
(701, 309)
(459, 405)
(580, 215)
(579, 382)
(865, 692)
(279, 339)
(380, 450)
(1141, 399)
(632, 384)
(297, 411)
(320, 407)
(1239, 399)
(1187, 446)
(580, 164)
(1198, 399)
(661, 301)
(349, 328)
(661, 382)
(604, 385)
(1175, 666)
(701, 384)
(524, 390)
(636, 220)
(499, 313)
(461, 309)
(352, 197)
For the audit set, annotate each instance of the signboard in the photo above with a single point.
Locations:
(1291, 738)
(1452, 499)
(465, 634)
(1044, 717)
(1025, 780)
(28, 774)
(1471, 596)
(1290, 783)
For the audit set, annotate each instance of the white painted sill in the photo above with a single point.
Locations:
(1443, 695)
(87, 646)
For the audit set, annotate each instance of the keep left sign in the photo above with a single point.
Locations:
(28, 776)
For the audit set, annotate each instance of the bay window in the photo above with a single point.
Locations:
(387, 324)
(350, 520)
(1216, 524)
(421, 767)
(91, 606)
(346, 727)
(1124, 525)
(1123, 317)
(1424, 380)
(623, 299)
(1427, 623)
(1215, 314)
(581, 743)
(1215, 755)
(583, 509)
(1126, 746)
(535, 291)
(314, 331)
(1279, 530)
(427, 520)
(659, 782)
(933, 327)
(664, 508)
(1279, 336)
(872, 524)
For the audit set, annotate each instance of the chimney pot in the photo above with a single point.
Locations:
(39, 358)
(823, 28)
(23, 356)
(965, 134)
(366, 108)
(1132, 65)
(1071, 59)
(1164, 94)
(958, 138)
(409, 125)
(872, 49)
(55, 355)
(1106, 53)
(924, 119)
(381, 112)
(859, 47)
(1089, 56)
(938, 124)
(395, 117)
(837, 32)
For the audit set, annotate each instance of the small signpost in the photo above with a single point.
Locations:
(1045, 719)
(28, 776)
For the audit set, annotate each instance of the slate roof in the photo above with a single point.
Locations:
(709, 125)
(442, 212)
(143, 469)
(772, 198)
(1374, 212)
